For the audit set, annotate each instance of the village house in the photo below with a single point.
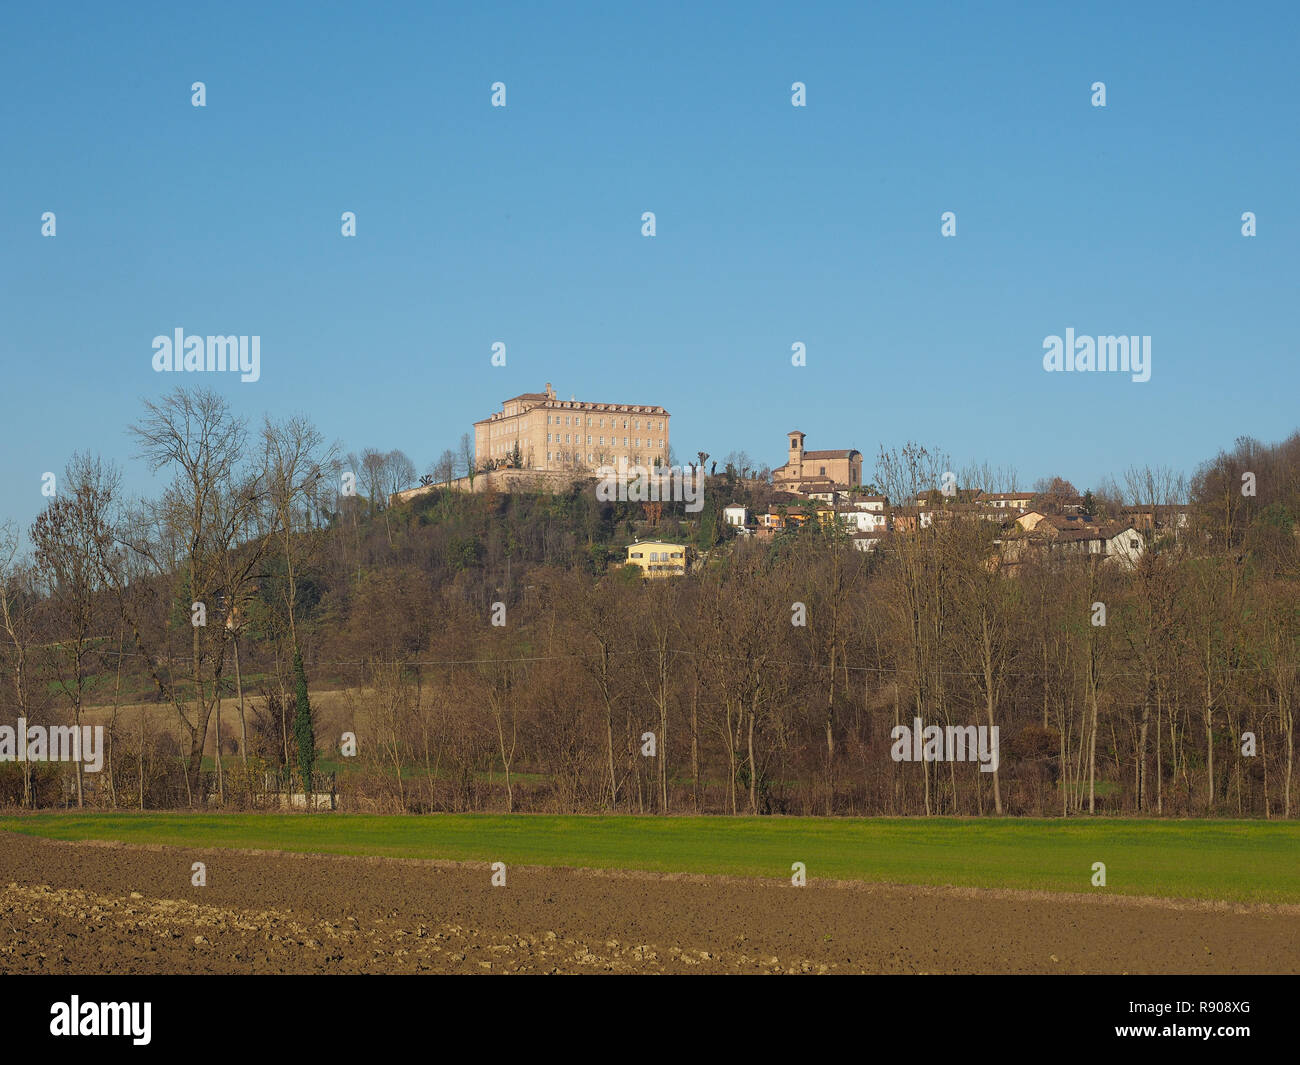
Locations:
(877, 503)
(1005, 500)
(935, 496)
(910, 519)
(948, 511)
(1068, 537)
(1055, 525)
(658, 558)
(862, 520)
(736, 515)
(867, 541)
(1157, 519)
(821, 489)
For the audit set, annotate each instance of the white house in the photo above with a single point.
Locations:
(1125, 544)
(867, 541)
(736, 515)
(876, 503)
(862, 520)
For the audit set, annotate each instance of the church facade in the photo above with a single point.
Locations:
(817, 471)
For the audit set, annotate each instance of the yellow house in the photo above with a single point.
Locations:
(657, 558)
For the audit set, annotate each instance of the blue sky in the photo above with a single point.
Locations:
(775, 224)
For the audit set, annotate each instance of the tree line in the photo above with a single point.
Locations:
(488, 652)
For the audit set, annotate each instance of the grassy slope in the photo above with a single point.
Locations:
(1230, 860)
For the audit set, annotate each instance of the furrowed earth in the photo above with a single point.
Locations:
(111, 908)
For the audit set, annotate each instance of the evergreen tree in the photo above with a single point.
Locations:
(303, 731)
(708, 532)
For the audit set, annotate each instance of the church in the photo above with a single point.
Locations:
(817, 471)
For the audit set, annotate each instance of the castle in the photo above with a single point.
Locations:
(545, 432)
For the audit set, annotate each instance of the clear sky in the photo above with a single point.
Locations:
(775, 224)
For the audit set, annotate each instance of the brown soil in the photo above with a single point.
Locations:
(96, 908)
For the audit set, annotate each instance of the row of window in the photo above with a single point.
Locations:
(657, 556)
(613, 440)
(569, 456)
(554, 419)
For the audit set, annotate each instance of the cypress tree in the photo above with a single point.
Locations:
(303, 732)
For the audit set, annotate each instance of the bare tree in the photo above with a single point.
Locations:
(444, 470)
(296, 463)
(399, 472)
(211, 508)
(373, 471)
(465, 459)
(73, 541)
(17, 597)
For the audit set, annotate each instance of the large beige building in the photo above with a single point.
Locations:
(559, 434)
(814, 471)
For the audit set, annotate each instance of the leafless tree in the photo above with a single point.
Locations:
(211, 509)
(74, 540)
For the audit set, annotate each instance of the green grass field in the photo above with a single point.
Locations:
(1248, 861)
